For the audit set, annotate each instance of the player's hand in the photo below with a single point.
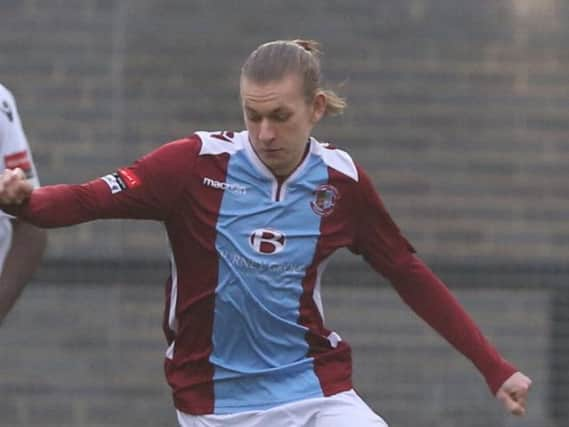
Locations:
(514, 393)
(14, 187)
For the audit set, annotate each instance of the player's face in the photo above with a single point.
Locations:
(279, 120)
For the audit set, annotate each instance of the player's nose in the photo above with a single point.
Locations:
(266, 131)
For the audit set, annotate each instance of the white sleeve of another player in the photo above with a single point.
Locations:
(14, 148)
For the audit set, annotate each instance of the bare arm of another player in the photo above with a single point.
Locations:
(28, 242)
(22, 260)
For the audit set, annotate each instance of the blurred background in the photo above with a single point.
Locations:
(458, 109)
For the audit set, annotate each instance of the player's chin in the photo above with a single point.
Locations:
(274, 155)
(274, 161)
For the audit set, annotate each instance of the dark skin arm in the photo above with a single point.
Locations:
(22, 260)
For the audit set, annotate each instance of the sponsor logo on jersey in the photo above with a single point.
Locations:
(21, 160)
(267, 241)
(325, 197)
(115, 182)
(5, 108)
(242, 262)
(234, 188)
(121, 180)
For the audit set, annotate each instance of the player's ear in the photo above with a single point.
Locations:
(318, 106)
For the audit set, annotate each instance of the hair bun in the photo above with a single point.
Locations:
(311, 46)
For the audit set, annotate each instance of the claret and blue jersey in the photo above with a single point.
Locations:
(243, 314)
(243, 317)
(270, 242)
(267, 237)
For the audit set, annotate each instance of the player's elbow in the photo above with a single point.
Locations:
(402, 265)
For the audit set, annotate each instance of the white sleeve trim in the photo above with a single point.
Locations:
(336, 159)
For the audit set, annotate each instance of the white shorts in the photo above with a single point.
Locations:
(344, 409)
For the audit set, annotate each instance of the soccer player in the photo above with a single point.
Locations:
(252, 218)
(21, 244)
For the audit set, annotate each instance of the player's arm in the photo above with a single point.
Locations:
(148, 189)
(431, 300)
(388, 252)
(27, 242)
(23, 258)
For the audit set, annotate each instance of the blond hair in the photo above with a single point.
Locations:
(275, 60)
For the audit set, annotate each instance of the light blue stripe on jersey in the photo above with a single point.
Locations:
(259, 349)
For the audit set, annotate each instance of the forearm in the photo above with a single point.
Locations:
(22, 260)
(431, 300)
(58, 206)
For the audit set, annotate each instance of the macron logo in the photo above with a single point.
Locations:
(234, 188)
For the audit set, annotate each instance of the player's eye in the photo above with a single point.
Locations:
(253, 117)
(281, 117)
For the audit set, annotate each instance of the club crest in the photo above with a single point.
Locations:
(325, 197)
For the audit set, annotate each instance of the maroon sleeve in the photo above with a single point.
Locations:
(378, 238)
(381, 243)
(148, 189)
(430, 299)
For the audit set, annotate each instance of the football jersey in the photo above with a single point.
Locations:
(14, 153)
(243, 316)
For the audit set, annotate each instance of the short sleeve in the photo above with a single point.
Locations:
(14, 148)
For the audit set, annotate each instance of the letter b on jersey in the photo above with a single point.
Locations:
(266, 241)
